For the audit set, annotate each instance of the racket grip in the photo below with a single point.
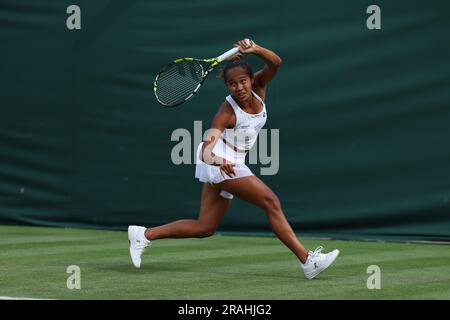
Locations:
(228, 54)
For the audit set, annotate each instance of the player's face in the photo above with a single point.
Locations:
(239, 83)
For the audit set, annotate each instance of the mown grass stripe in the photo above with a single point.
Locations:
(33, 263)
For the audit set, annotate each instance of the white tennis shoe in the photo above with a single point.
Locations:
(318, 262)
(138, 243)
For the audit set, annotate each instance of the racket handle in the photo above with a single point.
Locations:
(228, 54)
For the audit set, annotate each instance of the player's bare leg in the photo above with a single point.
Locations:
(255, 191)
(213, 208)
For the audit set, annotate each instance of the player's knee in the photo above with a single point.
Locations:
(271, 203)
(206, 231)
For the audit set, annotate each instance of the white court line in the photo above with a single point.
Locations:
(18, 298)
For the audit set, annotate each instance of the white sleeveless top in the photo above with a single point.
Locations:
(240, 139)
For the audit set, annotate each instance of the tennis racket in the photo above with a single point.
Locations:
(180, 80)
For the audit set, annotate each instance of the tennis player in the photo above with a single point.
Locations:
(220, 166)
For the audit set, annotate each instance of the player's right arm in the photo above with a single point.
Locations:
(224, 118)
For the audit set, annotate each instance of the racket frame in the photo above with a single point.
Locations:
(213, 62)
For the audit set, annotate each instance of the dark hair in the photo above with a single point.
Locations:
(234, 64)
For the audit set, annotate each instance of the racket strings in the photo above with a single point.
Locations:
(178, 81)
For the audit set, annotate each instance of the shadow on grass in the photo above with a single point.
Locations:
(169, 269)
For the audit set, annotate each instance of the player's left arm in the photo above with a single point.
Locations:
(271, 59)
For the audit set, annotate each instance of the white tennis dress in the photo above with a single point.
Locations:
(233, 145)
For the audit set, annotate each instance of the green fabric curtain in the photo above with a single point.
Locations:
(363, 115)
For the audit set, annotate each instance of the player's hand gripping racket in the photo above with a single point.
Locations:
(180, 80)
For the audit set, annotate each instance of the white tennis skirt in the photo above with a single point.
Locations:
(211, 174)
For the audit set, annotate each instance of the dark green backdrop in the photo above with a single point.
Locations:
(364, 115)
